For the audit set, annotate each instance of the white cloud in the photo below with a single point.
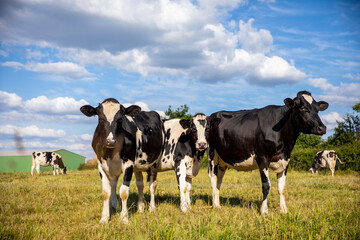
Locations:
(3, 53)
(15, 65)
(343, 95)
(178, 38)
(67, 69)
(253, 40)
(355, 76)
(34, 54)
(31, 131)
(59, 105)
(330, 119)
(86, 137)
(9, 100)
(322, 83)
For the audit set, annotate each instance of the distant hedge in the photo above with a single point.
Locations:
(302, 158)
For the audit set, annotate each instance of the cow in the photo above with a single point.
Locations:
(184, 148)
(126, 140)
(261, 139)
(47, 159)
(325, 159)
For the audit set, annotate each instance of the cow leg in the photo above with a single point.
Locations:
(38, 168)
(180, 170)
(266, 185)
(324, 171)
(216, 174)
(113, 197)
(281, 180)
(124, 193)
(188, 188)
(140, 187)
(32, 168)
(106, 188)
(152, 184)
(53, 170)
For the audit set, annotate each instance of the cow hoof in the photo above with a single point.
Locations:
(141, 208)
(217, 207)
(184, 210)
(152, 208)
(283, 211)
(125, 220)
(116, 209)
(264, 211)
(104, 220)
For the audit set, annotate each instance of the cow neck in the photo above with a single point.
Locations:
(285, 127)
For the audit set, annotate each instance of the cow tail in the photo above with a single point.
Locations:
(337, 158)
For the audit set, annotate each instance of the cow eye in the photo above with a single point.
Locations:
(304, 109)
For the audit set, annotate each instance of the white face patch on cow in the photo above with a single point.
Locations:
(308, 98)
(200, 124)
(110, 109)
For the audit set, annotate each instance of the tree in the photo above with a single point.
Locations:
(347, 131)
(356, 107)
(308, 140)
(180, 112)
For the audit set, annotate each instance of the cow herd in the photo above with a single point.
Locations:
(129, 140)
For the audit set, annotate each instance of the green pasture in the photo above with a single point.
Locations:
(69, 207)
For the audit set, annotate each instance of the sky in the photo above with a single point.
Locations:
(58, 55)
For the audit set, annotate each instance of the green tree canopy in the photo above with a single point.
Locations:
(347, 131)
(308, 140)
(180, 112)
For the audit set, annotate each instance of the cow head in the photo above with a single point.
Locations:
(305, 113)
(199, 129)
(111, 119)
(63, 170)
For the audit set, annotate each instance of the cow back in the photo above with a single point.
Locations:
(150, 135)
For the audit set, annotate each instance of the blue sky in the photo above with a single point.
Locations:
(56, 56)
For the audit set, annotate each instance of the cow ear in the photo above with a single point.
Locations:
(133, 110)
(129, 126)
(185, 123)
(88, 110)
(323, 105)
(289, 103)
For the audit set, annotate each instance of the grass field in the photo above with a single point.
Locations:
(69, 207)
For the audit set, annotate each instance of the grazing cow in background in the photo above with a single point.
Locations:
(126, 140)
(47, 159)
(184, 148)
(325, 159)
(261, 138)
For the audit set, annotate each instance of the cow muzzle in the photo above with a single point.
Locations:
(320, 130)
(110, 143)
(202, 146)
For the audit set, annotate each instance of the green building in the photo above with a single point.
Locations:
(20, 161)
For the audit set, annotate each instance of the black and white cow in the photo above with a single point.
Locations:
(261, 139)
(325, 159)
(47, 159)
(126, 140)
(184, 148)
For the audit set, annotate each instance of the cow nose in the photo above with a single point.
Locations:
(322, 129)
(202, 145)
(110, 142)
